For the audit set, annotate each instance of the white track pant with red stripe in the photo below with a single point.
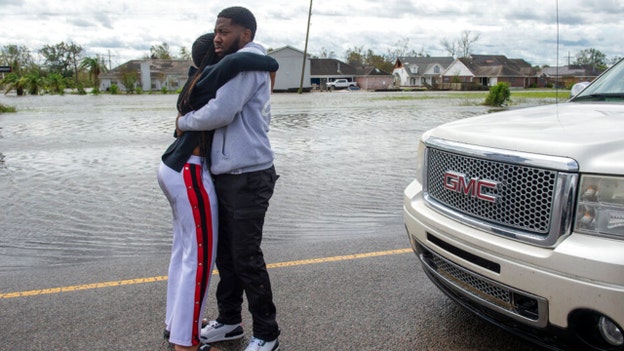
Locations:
(194, 204)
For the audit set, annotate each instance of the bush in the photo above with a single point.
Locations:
(114, 89)
(499, 95)
(4, 108)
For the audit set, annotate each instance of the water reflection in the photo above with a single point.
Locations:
(77, 173)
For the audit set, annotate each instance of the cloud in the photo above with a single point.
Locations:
(515, 28)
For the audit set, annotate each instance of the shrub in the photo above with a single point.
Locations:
(114, 89)
(4, 108)
(499, 95)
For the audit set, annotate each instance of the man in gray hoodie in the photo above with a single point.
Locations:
(244, 179)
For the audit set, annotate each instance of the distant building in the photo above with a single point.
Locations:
(488, 70)
(288, 77)
(328, 70)
(419, 71)
(371, 78)
(148, 74)
(566, 76)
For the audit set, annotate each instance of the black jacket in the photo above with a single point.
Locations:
(212, 78)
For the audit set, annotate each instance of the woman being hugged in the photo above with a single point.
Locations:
(185, 180)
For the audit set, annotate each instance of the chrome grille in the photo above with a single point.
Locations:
(525, 194)
(521, 306)
(472, 282)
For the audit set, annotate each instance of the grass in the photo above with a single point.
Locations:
(478, 97)
(4, 108)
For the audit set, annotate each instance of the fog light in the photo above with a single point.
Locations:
(610, 331)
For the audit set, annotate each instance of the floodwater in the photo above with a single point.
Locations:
(78, 173)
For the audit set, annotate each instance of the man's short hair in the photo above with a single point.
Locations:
(240, 16)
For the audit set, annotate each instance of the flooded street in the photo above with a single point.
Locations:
(78, 173)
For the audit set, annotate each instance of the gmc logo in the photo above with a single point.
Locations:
(474, 187)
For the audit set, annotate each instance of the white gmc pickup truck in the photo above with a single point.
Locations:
(519, 217)
(341, 84)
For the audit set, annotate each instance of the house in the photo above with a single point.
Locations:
(288, 76)
(327, 70)
(419, 71)
(567, 76)
(149, 74)
(488, 70)
(372, 78)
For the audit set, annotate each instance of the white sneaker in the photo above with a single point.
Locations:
(215, 332)
(256, 344)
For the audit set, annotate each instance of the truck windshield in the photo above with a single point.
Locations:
(608, 87)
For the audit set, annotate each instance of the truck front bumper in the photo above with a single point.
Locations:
(544, 294)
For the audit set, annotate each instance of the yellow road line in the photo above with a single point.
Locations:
(164, 278)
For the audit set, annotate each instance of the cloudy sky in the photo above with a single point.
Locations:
(127, 29)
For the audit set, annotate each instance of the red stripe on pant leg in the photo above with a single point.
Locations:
(202, 215)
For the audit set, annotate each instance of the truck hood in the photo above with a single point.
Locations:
(591, 134)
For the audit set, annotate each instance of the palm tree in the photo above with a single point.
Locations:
(95, 66)
(55, 83)
(34, 82)
(14, 81)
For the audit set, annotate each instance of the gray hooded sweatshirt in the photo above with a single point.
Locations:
(240, 115)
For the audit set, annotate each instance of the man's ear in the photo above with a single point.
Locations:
(247, 35)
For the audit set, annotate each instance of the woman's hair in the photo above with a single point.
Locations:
(203, 54)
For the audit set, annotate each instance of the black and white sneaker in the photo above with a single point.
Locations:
(256, 344)
(215, 332)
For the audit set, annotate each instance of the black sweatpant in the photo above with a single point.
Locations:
(243, 202)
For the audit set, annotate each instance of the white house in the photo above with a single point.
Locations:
(288, 77)
(150, 75)
(419, 71)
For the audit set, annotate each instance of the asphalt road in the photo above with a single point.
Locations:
(365, 294)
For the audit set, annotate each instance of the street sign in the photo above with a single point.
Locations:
(5, 69)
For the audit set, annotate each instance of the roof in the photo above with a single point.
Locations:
(284, 48)
(331, 67)
(572, 71)
(371, 71)
(424, 64)
(497, 66)
(157, 67)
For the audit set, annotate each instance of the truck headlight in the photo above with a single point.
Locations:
(600, 208)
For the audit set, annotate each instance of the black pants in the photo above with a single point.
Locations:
(243, 202)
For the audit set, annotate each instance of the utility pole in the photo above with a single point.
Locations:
(305, 51)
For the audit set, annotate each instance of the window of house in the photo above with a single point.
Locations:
(436, 69)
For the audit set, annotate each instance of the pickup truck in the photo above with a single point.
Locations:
(341, 84)
(518, 216)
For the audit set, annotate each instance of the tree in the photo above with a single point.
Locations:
(450, 47)
(14, 81)
(95, 66)
(465, 43)
(185, 54)
(326, 54)
(55, 83)
(591, 57)
(355, 56)
(18, 57)
(379, 61)
(462, 46)
(160, 52)
(129, 79)
(401, 49)
(62, 58)
(34, 82)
